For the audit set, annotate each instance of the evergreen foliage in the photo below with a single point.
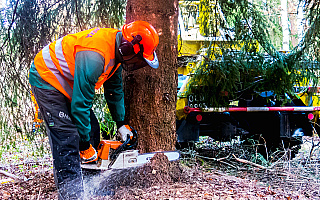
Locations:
(26, 27)
(249, 62)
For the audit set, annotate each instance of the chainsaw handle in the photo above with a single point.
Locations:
(132, 142)
(127, 145)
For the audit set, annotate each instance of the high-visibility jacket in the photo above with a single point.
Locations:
(55, 63)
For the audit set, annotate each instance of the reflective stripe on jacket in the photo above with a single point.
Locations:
(55, 63)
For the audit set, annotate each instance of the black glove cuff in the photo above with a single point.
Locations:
(84, 146)
(120, 123)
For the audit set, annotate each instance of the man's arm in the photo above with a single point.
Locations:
(88, 68)
(113, 92)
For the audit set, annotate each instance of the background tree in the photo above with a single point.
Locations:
(26, 26)
(150, 94)
(285, 25)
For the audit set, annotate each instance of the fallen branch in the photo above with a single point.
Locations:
(229, 164)
(248, 162)
(39, 194)
(7, 180)
(31, 162)
(9, 175)
(12, 175)
(214, 159)
(219, 160)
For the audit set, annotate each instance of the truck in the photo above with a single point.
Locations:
(274, 120)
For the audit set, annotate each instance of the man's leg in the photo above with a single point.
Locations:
(64, 142)
(95, 130)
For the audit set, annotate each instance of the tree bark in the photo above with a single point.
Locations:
(150, 94)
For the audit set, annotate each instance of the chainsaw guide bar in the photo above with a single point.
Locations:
(114, 154)
(127, 159)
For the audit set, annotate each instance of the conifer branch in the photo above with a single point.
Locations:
(10, 26)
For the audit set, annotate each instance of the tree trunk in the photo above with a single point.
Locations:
(300, 20)
(285, 25)
(150, 94)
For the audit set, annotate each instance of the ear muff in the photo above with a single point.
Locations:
(126, 48)
(130, 48)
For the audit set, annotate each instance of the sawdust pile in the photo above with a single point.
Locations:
(158, 171)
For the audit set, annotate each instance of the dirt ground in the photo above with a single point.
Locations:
(158, 179)
(161, 179)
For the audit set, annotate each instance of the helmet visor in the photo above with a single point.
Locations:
(152, 60)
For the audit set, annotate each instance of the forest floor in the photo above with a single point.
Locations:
(209, 171)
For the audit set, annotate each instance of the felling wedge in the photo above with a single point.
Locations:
(118, 155)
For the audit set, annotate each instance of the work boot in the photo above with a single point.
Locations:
(89, 155)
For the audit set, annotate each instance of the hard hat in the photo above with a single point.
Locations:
(149, 41)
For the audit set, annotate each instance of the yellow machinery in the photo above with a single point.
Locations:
(193, 41)
(194, 118)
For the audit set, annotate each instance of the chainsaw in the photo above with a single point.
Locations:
(121, 155)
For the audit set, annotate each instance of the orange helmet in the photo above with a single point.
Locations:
(149, 41)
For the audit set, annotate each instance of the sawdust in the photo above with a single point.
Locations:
(158, 171)
(115, 184)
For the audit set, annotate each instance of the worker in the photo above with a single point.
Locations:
(63, 78)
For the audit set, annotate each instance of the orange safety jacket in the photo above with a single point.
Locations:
(55, 63)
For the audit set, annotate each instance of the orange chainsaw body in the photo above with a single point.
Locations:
(105, 146)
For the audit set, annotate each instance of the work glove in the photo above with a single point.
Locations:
(124, 132)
